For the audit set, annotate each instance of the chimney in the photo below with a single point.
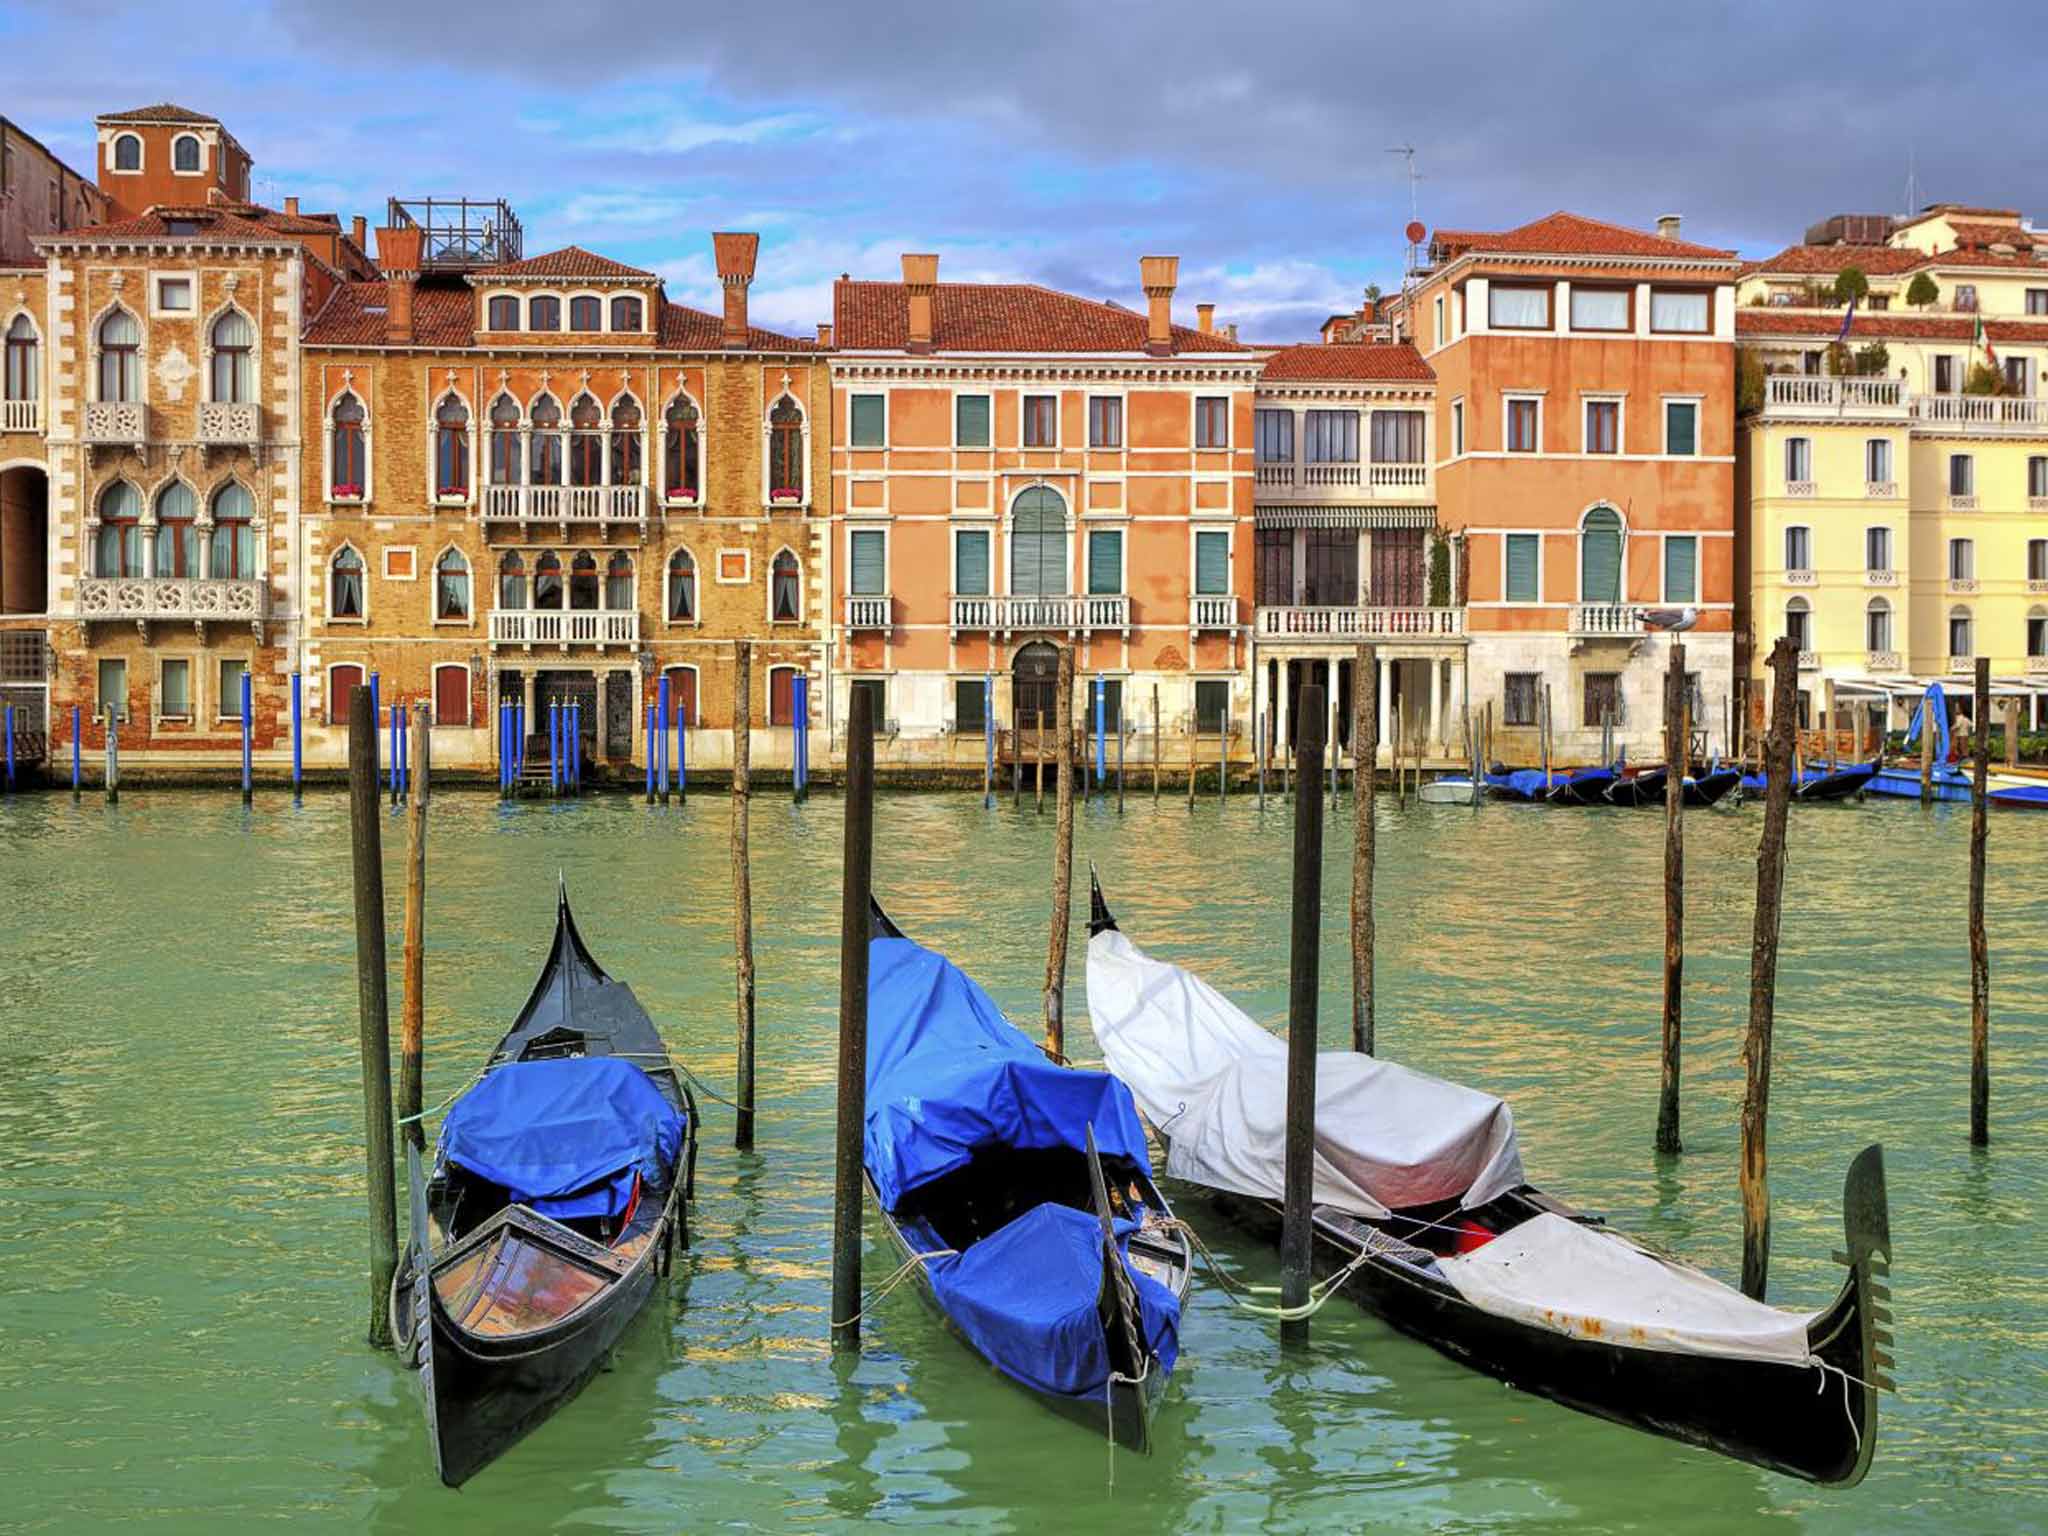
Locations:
(1205, 318)
(735, 256)
(824, 333)
(1230, 331)
(291, 206)
(361, 231)
(398, 256)
(1667, 226)
(1157, 276)
(921, 282)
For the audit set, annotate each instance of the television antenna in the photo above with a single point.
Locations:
(1414, 177)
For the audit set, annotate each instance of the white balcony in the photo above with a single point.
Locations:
(1989, 415)
(1053, 611)
(1353, 624)
(599, 627)
(1606, 620)
(146, 600)
(1343, 483)
(2037, 666)
(1212, 613)
(600, 504)
(1802, 578)
(225, 425)
(21, 415)
(1962, 664)
(1883, 661)
(1809, 661)
(116, 423)
(1799, 396)
(868, 611)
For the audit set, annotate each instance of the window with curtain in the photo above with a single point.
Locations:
(1524, 554)
(1877, 461)
(625, 456)
(1273, 566)
(1799, 624)
(970, 705)
(618, 582)
(345, 599)
(2037, 476)
(174, 688)
(504, 441)
(2037, 559)
(1877, 625)
(1602, 699)
(583, 585)
(1799, 460)
(1212, 563)
(502, 313)
(511, 580)
(1599, 309)
(545, 452)
(1105, 561)
(1106, 421)
(1877, 549)
(586, 442)
(1041, 421)
(971, 421)
(1212, 422)
(117, 548)
(868, 574)
(1518, 697)
(1600, 556)
(786, 451)
(586, 313)
(228, 697)
(234, 359)
(868, 424)
(1962, 559)
(785, 594)
(234, 533)
(1523, 424)
(23, 380)
(120, 367)
(177, 530)
(1673, 309)
(1681, 428)
(1517, 308)
(1798, 549)
(451, 587)
(544, 313)
(1397, 437)
(1400, 569)
(1603, 426)
(1959, 637)
(1329, 437)
(547, 582)
(1962, 475)
(1273, 436)
(1038, 543)
(128, 153)
(626, 313)
(1681, 568)
(451, 448)
(970, 562)
(679, 450)
(348, 460)
(682, 587)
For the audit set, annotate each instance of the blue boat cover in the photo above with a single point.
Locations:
(1526, 782)
(948, 1074)
(567, 1136)
(1934, 699)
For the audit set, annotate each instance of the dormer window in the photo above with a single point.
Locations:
(625, 313)
(543, 313)
(502, 314)
(128, 152)
(185, 154)
(586, 314)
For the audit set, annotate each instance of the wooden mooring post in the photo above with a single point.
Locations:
(1194, 730)
(1546, 738)
(1926, 749)
(742, 896)
(373, 1016)
(1119, 749)
(1038, 755)
(1980, 947)
(1675, 754)
(2012, 733)
(1365, 749)
(1400, 772)
(1155, 743)
(1763, 971)
(854, 888)
(412, 1003)
(1297, 1236)
(110, 775)
(1062, 867)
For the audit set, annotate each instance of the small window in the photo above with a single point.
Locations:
(1877, 461)
(586, 313)
(1523, 425)
(234, 533)
(1681, 428)
(544, 313)
(24, 379)
(1799, 624)
(174, 689)
(970, 562)
(682, 588)
(2037, 632)
(1457, 428)
(679, 451)
(1966, 297)
(234, 359)
(1602, 699)
(1962, 475)
(1105, 562)
(547, 582)
(1962, 559)
(1799, 460)
(784, 595)
(1106, 421)
(1960, 640)
(113, 686)
(1877, 549)
(970, 705)
(868, 562)
(2037, 301)
(128, 153)
(1798, 549)
(1599, 309)
(2037, 559)
(1945, 375)
(1212, 422)
(1511, 308)
(1681, 568)
(502, 313)
(869, 421)
(1518, 697)
(1603, 426)
(117, 548)
(228, 700)
(1212, 563)
(619, 593)
(451, 694)
(120, 357)
(787, 474)
(626, 313)
(971, 421)
(174, 295)
(504, 441)
(1524, 551)
(347, 459)
(1212, 705)
(1042, 421)
(451, 449)
(185, 154)
(1273, 436)
(177, 531)
(1675, 310)
(347, 595)
(1877, 625)
(451, 588)
(2037, 476)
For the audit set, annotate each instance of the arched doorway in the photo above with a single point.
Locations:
(1034, 686)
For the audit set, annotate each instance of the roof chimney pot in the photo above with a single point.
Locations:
(824, 333)
(1205, 318)
(1667, 226)
(920, 284)
(1158, 276)
(291, 206)
(735, 255)
(361, 230)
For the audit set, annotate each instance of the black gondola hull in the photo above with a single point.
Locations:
(1711, 788)
(1840, 784)
(1645, 788)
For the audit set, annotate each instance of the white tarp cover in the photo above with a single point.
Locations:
(1552, 1272)
(1216, 1084)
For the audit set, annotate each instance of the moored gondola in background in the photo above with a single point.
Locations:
(1643, 786)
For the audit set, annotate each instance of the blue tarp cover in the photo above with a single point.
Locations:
(948, 1074)
(567, 1136)
(1526, 782)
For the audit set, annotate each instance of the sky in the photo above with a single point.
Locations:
(1059, 141)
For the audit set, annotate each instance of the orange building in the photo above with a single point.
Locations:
(166, 155)
(1014, 466)
(1585, 409)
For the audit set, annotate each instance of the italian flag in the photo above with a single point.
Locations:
(1983, 342)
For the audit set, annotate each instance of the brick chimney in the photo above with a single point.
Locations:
(1667, 226)
(735, 255)
(398, 257)
(824, 333)
(291, 206)
(1157, 275)
(920, 282)
(1205, 318)
(361, 230)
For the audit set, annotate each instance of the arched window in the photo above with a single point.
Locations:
(679, 451)
(586, 442)
(543, 313)
(682, 588)
(1600, 557)
(185, 153)
(117, 550)
(451, 448)
(1038, 542)
(23, 378)
(512, 581)
(625, 313)
(786, 451)
(545, 466)
(504, 441)
(785, 590)
(120, 357)
(1960, 636)
(347, 596)
(625, 459)
(234, 533)
(128, 153)
(1877, 625)
(348, 463)
(502, 313)
(1799, 624)
(177, 530)
(583, 589)
(451, 586)
(547, 581)
(586, 313)
(618, 582)
(234, 359)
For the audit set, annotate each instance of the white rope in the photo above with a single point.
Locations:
(904, 1271)
(458, 1093)
(1319, 1294)
(1109, 1406)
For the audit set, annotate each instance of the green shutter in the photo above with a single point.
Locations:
(868, 566)
(1681, 557)
(1105, 561)
(970, 705)
(1600, 557)
(1523, 549)
(1681, 427)
(1212, 564)
(867, 421)
(970, 561)
(970, 421)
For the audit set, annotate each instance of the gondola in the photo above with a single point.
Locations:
(1643, 787)
(1835, 783)
(555, 1204)
(1422, 1206)
(1712, 787)
(1022, 1190)
(1582, 786)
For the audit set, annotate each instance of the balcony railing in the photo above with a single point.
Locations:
(1212, 613)
(566, 503)
(1883, 661)
(21, 415)
(1603, 619)
(1804, 576)
(1360, 623)
(173, 599)
(1054, 611)
(2037, 666)
(1807, 395)
(867, 612)
(1982, 413)
(116, 422)
(1962, 586)
(1881, 490)
(1809, 661)
(230, 425)
(1342, 482)
(600, 627)
(1880, 578)
(1962, 664)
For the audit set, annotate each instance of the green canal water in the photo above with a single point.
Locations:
(182, 1293)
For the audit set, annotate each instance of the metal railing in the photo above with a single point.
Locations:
(600, 627)
(457, 233)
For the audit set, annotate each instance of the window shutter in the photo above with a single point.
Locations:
(1105, 562)
(1600, 559)
(970, 560)
(451, 696)
(867, 421)
(970, 422)
(868, 566)
(1682, 428)
(1212, 563)
(1680, 557)
(1522, 562)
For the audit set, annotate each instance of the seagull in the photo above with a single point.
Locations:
(1674, 620)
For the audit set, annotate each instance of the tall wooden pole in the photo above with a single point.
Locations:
(2012, 733)
(743, 893)
(1926, 749)
(854, 888)
(1062, 868)
(1675, 756)
(1546, 738)
(1400, 773)
(1303, 980)
(373, 1015)
(412, 1005)
(1194, 730)
(1365, 740)
(1155, 743)
(1980, 948)
(1763, 971)
(1038, 755)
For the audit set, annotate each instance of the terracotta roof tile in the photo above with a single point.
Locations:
(684, 329)
(570, 261)
(354, 316)
(999, 317)
(162, 112)
(2013, 234)
(1400, 363)
(223, 224)
(1764, 320)
(1571, 234)
(1827, 260)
